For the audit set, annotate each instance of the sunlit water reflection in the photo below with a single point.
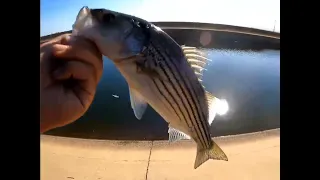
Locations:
(249, 81)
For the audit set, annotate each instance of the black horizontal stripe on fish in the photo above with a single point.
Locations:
(161, 80)
(167, 89)
(202, 136)
(197, 88)
(194, 94)
(150, 65)
(204, 115)
(165, 97)
(157, 64)
(196, 115)
(183, 112)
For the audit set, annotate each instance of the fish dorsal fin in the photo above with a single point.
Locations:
(212, 109)
(176, 135)
(138, 104)
(197, 60)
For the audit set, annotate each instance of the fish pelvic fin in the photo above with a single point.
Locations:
(138, 104)
(214, 152)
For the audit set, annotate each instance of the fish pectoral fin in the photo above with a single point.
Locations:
(176, 135)
(214, 152)
(138, 104)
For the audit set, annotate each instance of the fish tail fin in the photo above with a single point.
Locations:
(214, 152)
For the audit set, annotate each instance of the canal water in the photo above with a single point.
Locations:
(248, 80)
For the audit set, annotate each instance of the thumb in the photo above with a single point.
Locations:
(62, 39)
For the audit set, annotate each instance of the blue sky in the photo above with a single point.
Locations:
(59, 15)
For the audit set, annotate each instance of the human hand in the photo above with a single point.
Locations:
(69, 75)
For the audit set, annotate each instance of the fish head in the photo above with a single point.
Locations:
(118, 36)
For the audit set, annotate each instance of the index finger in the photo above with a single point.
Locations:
(62, 39)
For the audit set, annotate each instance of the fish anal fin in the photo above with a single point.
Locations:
(214, 152)
(176, 135)
(138, 104)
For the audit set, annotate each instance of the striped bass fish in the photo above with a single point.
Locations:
(159, 72)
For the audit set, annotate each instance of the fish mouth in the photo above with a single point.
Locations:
(106, 18)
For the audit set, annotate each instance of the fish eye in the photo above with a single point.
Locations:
(108, 17)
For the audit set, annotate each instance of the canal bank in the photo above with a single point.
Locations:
(251, 156)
